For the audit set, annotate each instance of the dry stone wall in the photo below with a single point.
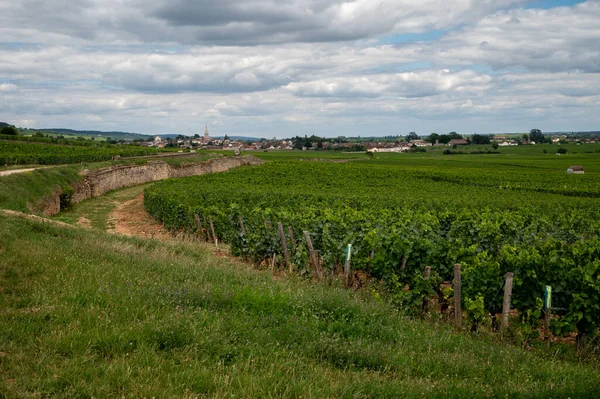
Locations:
(101, 181)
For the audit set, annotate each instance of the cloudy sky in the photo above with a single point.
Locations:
(280, 68)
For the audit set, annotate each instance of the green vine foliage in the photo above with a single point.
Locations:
(543, 227)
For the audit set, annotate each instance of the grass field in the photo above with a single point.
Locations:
(88, 314)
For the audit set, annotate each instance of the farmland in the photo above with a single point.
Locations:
(493, 214)
(47, 153)
(86, 313)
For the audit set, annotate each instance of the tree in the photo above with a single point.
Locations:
(536, 135)
(495, 145)
(412, 136)
(226, 137)
(432, 138)
(9, 131)
(480, 139)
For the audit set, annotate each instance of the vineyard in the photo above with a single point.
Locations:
(401, 216)
(27, 153)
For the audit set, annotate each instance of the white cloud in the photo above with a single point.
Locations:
(8, 88)
(557, 39)
(270, 67)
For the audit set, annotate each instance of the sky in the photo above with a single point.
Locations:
(272, 68)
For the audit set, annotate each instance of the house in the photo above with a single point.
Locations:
(576, 170)
(421, 143)
(458, 142)
(508, 143)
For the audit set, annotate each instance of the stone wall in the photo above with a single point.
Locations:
(99, 182)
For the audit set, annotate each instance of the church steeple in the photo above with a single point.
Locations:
(206, 137)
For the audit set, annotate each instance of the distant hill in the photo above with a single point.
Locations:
(116, 135)
(4, 124)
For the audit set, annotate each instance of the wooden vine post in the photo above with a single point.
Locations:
(313, 255)
(291, 234)
(212, 229)
(457, 285)
(403, 265)
(208, 237)
(547, 314)
(427, 275)
(506, 302)
(241, 222)
(284, 247)
(199, 225)
(347, 282)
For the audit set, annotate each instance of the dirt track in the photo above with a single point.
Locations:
(131, 218)
(12, 172)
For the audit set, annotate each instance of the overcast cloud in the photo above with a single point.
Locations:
(272, 68)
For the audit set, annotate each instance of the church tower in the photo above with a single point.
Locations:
(206, 137)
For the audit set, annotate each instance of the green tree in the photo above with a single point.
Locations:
(9, 131)
(536, 135)
(412, 136)
(480, 139)
(432, 138)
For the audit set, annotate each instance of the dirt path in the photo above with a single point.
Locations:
(12, 172)
(131, 218)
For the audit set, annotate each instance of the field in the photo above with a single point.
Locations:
(492, 214)
(47, 153)
(91, 314)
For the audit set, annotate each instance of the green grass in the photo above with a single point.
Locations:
(88, 314)
(97, 210)
(24, 191)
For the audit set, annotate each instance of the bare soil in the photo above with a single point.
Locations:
(131, 218)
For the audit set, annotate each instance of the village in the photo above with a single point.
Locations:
(397, 144)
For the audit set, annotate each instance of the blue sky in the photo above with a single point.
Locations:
(547, 4)
(329, 67)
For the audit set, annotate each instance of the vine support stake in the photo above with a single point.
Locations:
(403, 265)
(426, 275)
(313, 255)
(212, 229)
(506, 303)
(547, 314)
(199, 224)
(347, 281)
(241, 222)
(284, 247)
(457, 284)
(291, 233)
(208, 237)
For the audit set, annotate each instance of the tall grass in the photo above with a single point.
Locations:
(87, 314)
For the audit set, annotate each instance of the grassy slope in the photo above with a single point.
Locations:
(19, 190)
(89, 314)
